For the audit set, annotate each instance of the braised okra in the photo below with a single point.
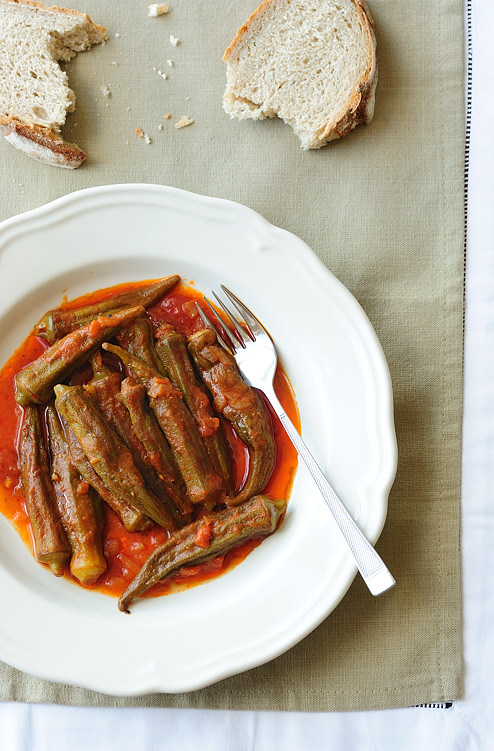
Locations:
(212, 535)
(128, 417)
(58, 322)
(240, 404)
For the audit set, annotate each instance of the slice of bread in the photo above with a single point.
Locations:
(34, 92)
(310, 62)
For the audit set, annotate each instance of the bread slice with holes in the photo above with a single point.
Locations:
(310, 62)
(35, 96)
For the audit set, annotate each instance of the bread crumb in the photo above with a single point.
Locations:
(139, 132)
(114, 62)
(117, 35)
(157, 9)
(167, 116)
(183, 122)
(105, 90)
(174, 40)
(170, 63)
(163, 75)
(160, 126)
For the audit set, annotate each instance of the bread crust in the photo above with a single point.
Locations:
(38, 142)
(360, 109)
(42, 144)
(55, 9)
(243, 29)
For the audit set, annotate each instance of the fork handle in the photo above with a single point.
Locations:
(373, 570)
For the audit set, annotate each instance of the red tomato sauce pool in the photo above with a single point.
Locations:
(125, 551)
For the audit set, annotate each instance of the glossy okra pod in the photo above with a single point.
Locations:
(79, 507)
(212, 535)
(138, 339)
(132, 518)
(202, 482)
(51, 545)
(241, 405)
(58, 322)
(107, 453)
(35, 382)
(104, 389)
(134, 396)
(171, 347)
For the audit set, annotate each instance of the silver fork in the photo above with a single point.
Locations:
(256, 357)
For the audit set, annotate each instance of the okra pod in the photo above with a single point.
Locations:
(34, 384)
(107, 453)
(212, 535)
(51, 545)
(138, 339)
(133, 395)
(132, 519)
(79, 507)
(58, 322)
(104, 389)
(171, 348)
(241, 405)
(203, 484)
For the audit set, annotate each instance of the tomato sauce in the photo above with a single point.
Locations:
(125, 551)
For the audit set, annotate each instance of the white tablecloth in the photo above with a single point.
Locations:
(469, 724)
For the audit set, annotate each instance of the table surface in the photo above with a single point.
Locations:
(468, 724)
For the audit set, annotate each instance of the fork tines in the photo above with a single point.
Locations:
(242, 331)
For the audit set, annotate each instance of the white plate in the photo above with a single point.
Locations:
(98, 237)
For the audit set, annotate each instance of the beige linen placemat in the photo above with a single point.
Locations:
(383, 208)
